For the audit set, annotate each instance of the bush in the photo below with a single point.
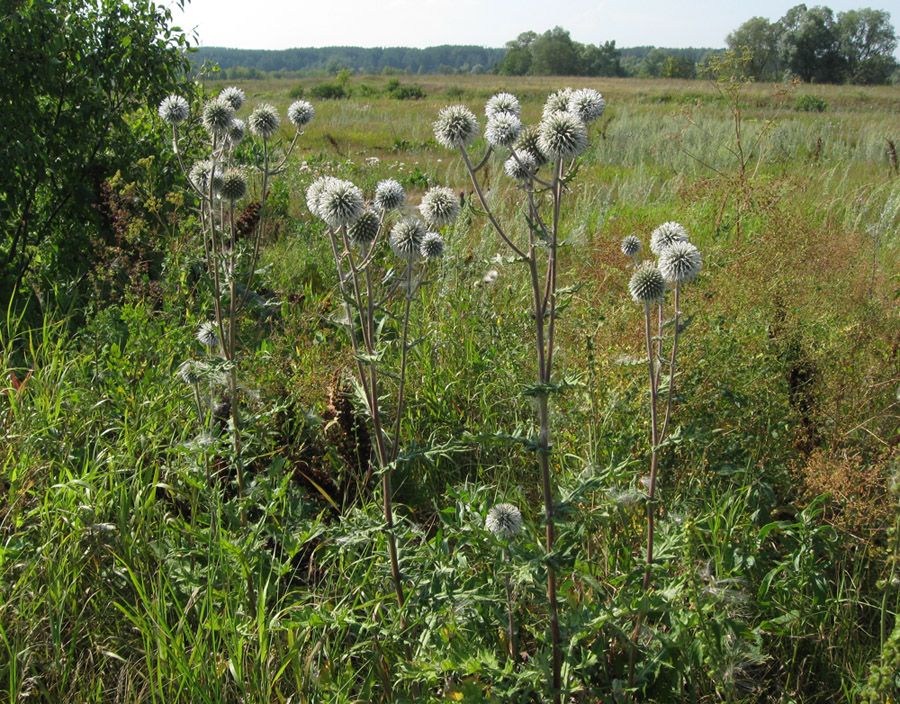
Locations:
(296, 92)
(328, 91)
(400, 92)
(810, 103)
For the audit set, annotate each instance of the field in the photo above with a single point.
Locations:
(137, 564)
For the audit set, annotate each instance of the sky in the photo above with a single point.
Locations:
(285, 24)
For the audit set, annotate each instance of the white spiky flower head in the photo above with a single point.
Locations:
(217, 117)
(234, 185)
(502, 104)
(680, 263)
(300, 113)
(503, 129)
(647, 284)
(522, 168)
(389, 195)
(432, 246)
(200, 173)
(234, 96)
(264, 121)
(504, 521)
(666, 235)
(557, 102)
(440, 206)
(340, 203)
(631, 245)
(587, 104)
(528, 142)
(236, 132)
(365, 228)
(561, 135)
(456, 127)
(174, 109)
(406, 238)
(208, 334)
(192, 372)
(314, 193)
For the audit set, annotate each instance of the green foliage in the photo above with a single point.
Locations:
(810, 103)
(328, 91)
(395, 90)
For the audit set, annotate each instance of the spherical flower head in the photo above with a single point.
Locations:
(314, 193)
(522, 168)
(236, 132)
(199, 176)
(233, 96)
(174, 109)
(557, 102)
(301, 113)
(389, 195)
(528, 142)
(647, 284)
(406, 238)
(217, 117)
(191, 372)
(208, 334)
(631, 245)
(364, 229)
(456, 127)
(340, 203)
(680, 263)
(503, 104)
(432, 246)
(504, 521)
(503, 130)
(440, 206)
(562, 135)
(587, 104)
(234, 185)
(665, 236)
(264, 121)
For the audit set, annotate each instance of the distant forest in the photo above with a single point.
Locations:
(812, 44)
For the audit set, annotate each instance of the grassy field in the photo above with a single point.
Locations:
(133, 569)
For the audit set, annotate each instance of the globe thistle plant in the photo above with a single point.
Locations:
(528, 142)
(174, 109)
(647, 285)
(680, 262)
(236, 132)
(234, 185)
(562, 135)
(264, 121)
(200, 177)
(557, 102)
(314, 193)
(502, 130)
(631, 245)
(364, 229)
(233, 96)
(406, 238)
(340, 203)
(300, 113)
(456, 127)
(208, 334)
(439, 207)
(389, 195)
(432, 246)
(502, 104)
(587, 104)
(504, 521)
(520, 167)
(217, 117)
(666, 235)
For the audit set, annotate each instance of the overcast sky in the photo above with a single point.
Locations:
(283, 24)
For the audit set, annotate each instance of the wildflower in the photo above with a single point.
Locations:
(406, 238)
(300, 113)
(264, 121)
(503, 130)
(440, 206)
(314, 193)
(557, 102)
(456, 127)
(432, 246)
(528, 142)
(561, 135)
(174, 109)
(364, 229)
(504, 521)
(217, 117)
(236, 132)
(389, 195)
(340, 203)
(587, 104)
(503, 104)
(631, 245)
(647, 284)
(522, 168)
(191, 372)
(200, 174)
(233, 96)
(666, 235)
(208, 334)
(680, 263)
(234, 185)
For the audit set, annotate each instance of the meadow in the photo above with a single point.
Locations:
(135, 568)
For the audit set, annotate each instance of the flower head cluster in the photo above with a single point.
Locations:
(631, 245)
(300, 113)
(233, 96)
(522, 168)
(528, 142)
(561, 135)
(503, 104)
(264, 121)
(217, 117)
(504, 521)
(314, 193)
(234, 185)
(432, 246)
(503, 129)
(174, 109)
(192, 372)
(365, 228)
(647, 284)
(406, 238)
(587, 104)
(208, 334)
(389, 195)
(236, 132)
(339, 203)
(200, 174)
(557, 102)
(440, 206)
(680, 263)
(665, 236)
(456, 127)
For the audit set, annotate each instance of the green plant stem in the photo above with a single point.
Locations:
(513, 646)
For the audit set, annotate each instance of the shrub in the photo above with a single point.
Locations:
(400, 92)
(810, 103)
(296, 92)
(328, 91)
